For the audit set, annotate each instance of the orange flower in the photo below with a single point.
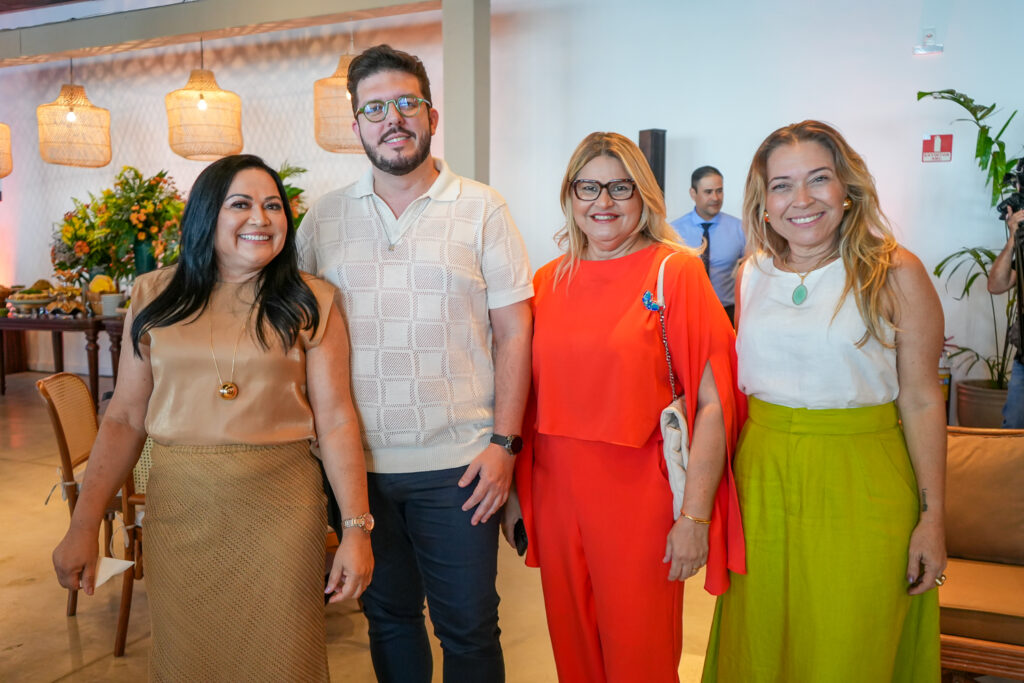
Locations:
(141, 235)
(154, 229)
(81, 248)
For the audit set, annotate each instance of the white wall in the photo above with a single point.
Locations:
(718, 76)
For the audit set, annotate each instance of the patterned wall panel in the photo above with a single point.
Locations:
(273, 73)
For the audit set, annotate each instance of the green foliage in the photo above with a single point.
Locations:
(976, 262)
(295, 198)
(990, 153)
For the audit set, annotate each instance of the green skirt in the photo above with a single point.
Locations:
(829, 500)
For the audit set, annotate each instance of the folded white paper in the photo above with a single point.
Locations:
(108, 567)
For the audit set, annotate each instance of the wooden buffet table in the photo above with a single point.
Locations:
(57, 326)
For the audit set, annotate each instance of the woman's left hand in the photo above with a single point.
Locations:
(927, 557)
(686, 548)
(352, 568)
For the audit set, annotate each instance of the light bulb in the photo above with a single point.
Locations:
(201, 103)
(71, 116)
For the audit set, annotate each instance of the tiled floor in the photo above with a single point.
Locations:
(39, 643)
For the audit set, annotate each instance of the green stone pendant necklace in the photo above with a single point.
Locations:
(800, 291)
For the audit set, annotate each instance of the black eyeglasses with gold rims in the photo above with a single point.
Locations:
(589, 190)
(376, 111)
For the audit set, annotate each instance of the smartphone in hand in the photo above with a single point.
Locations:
(519, 535)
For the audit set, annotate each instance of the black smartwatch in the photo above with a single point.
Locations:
(513, 443)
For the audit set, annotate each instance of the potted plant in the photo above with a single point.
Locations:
(980, 401)
(123, 232)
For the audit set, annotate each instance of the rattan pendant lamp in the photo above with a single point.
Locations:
(6, 160)
(73, 131)
(204, 123)
(332, 109)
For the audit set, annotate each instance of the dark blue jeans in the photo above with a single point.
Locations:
(424, 546)
(1013, 410)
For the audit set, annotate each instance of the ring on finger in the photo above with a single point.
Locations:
(941, 579)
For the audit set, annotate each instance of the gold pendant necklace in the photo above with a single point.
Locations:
(228, 390)
(800, 291)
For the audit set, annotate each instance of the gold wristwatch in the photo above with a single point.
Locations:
(363, 521)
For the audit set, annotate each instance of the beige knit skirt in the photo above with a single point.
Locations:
(234, 563)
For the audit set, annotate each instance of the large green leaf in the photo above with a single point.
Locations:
(983, 150)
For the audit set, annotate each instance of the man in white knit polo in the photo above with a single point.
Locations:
(436, 287)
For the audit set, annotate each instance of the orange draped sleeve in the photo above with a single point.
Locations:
(600, 372)
(699, 332)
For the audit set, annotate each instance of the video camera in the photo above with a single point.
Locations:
(1015, 202)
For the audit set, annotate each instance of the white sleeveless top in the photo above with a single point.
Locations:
(799, 356)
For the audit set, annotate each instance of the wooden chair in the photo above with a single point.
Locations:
(982, 602)
(133, 500)
(73, 416)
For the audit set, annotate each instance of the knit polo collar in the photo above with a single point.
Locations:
(445, 188)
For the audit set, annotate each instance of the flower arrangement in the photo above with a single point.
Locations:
(137, 220)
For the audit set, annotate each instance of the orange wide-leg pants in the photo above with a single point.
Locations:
(602, 513)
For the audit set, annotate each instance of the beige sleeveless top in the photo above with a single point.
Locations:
(185, 408)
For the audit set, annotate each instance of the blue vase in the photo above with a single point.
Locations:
(144, 259)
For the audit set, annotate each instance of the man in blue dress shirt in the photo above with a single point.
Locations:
(724, 234)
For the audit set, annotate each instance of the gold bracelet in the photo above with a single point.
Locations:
(696, 520)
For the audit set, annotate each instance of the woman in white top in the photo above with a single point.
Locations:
(839, 334)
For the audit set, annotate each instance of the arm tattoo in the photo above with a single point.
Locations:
(924, 500)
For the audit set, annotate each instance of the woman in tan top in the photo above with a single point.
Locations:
(238, 362)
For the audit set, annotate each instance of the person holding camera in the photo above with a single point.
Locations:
(1005, 273)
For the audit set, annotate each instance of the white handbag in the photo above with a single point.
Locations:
(673, 417)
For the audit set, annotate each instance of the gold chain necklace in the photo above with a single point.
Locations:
(800, 291)
(228, 390)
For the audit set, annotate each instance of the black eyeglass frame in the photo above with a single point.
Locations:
(393, 101)
(603, 187)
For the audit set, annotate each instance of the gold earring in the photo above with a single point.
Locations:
(847, 204)
(766, 217)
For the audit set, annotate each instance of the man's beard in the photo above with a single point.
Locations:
(401, 165)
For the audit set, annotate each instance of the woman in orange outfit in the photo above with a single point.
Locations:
(593, 491)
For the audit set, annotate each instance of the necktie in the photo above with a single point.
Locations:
(705, 255)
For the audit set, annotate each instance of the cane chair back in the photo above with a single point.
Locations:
(73, 416)
(133, 501)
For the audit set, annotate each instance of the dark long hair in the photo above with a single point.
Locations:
(283, 299)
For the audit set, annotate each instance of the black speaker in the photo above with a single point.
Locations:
(652, 144)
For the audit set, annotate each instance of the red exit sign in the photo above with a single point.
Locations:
(937, 148)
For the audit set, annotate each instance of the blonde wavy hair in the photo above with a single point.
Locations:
(865, 240)
(654, 226)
